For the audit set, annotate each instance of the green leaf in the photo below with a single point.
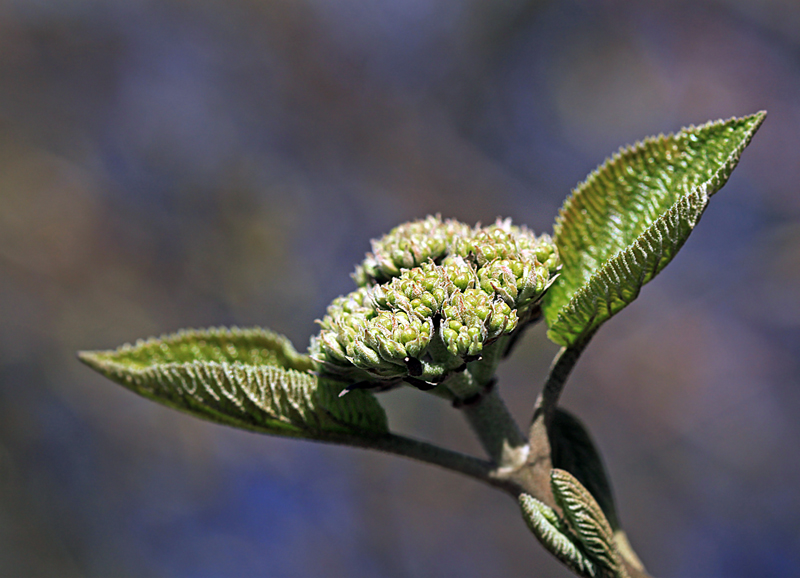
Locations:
(587, 520)
(626, 222)
(246, 378)
(554, 535)
(249, 346)
(572, 449)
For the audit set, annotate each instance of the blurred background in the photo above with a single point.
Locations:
(187, 164)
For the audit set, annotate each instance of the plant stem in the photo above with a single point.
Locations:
(546, 403)
(463, 385)
(473, 467)
(534, 477)
(497, 431)
(484, 369)
(562, 366)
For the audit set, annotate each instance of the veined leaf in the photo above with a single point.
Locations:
(247, 378)
(629, 218)
(554, 535)
(586, 518)
(254, 346)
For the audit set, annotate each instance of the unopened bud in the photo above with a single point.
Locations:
(407, 246)
(476, 283)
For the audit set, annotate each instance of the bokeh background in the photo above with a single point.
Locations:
(185, 164)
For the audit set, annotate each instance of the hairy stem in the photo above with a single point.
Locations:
(497, 430)
(483, 370)
(547, 401)
(462, 385)
(562, 366)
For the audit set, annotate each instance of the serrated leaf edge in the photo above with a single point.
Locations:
(298, 394)
(715, 182)
(598, 287)
(641, 145)
(299, 361)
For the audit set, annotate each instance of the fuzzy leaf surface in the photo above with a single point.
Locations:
(247, 378)
(628, 219)
(588, 521)
(554, 535)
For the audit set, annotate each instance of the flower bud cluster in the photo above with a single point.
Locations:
(409, 245)
(434, 289)
(472, 318)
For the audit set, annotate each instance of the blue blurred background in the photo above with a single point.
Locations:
(185, 164)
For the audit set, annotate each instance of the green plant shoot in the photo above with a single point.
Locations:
(437, 305)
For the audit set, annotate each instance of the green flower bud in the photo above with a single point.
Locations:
(500, 277)
(427, 287)
(420, 290)
(459, 272)
(488, 244)
(472, 318)
(358, 303)
(541, 248)
(388, 297)
(407, 246)
(398, 335)
(547, 254)
(514, 242)
(363, 356)
(476, 283)
(331, 348)
(502, 320)
(518, 283)
(368, 359)
(343, 323)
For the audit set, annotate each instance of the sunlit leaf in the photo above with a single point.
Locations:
(252, 379)
(626, 222)
(554, 535)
